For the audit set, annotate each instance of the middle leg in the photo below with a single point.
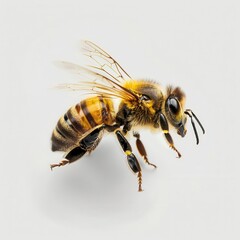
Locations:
(141, 149)
(132, 160)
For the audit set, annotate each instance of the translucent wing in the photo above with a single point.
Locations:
(104, 63)
(96, 83)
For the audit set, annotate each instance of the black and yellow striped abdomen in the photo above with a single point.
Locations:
(80, 120)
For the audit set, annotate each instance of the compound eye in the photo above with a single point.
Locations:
(173, 106)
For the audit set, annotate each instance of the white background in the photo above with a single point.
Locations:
(193, 44)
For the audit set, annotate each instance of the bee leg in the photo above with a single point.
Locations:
(132, 160)
(111, 128)
(87, 144)
(62, 163)
(127, 127)
(70, 157)
(141, 149)
(165, 128)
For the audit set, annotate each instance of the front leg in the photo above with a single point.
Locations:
(165, 128)
(132, 160)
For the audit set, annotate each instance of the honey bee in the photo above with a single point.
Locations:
(141, 103)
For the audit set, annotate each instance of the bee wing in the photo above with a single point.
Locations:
(97, 83)
(104, 63)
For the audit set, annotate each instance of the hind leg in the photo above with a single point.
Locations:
(87, 144)
(70, 157)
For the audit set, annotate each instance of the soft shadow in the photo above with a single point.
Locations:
(97, 185)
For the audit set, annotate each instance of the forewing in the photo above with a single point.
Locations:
(96, 83)
(104, 63)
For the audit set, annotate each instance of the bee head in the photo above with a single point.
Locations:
(174, 108)
(175, 113)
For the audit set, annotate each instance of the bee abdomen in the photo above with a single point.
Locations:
(80, 120)
(64, 135)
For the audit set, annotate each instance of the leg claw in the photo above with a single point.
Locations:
(62, 163)
(151, 164)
